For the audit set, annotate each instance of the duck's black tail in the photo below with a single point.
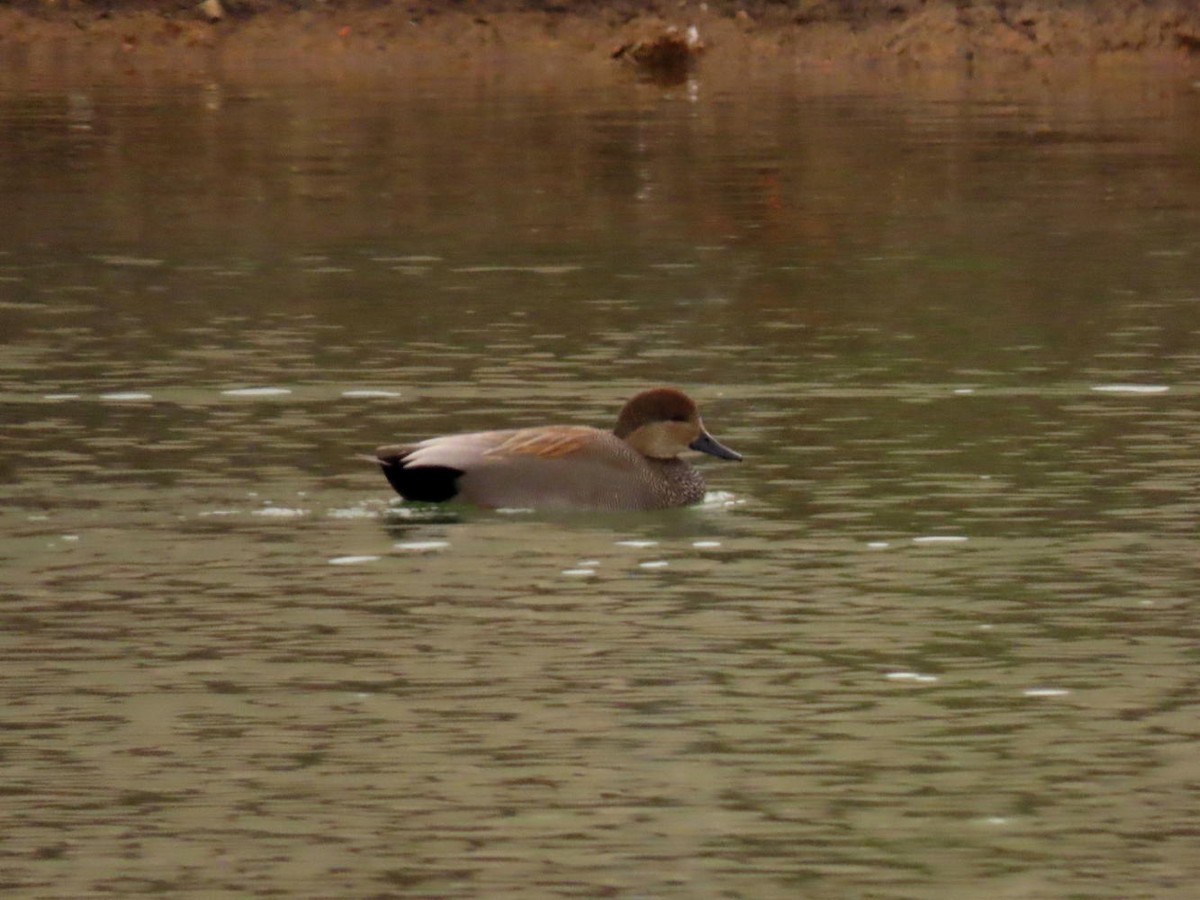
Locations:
(424, 484)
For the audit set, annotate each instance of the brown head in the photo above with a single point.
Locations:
(663, 422)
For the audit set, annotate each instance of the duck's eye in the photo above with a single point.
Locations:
(679, 418)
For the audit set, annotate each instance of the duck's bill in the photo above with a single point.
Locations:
(706, 443)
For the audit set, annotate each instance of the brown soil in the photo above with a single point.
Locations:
(180, 36)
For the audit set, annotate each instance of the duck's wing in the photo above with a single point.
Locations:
(545, 443)
(489, 449)
(502, 464)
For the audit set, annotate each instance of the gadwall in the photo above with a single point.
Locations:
(635, 466)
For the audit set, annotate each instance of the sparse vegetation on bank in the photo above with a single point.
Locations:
(920, 33)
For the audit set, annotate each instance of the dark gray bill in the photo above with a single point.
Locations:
(706, 443)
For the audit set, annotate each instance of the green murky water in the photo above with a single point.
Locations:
(935, 637)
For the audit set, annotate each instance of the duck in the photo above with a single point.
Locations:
(636, 466)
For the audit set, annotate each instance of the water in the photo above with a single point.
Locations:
(935, 637)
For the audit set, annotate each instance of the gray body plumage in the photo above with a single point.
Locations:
(636, 466)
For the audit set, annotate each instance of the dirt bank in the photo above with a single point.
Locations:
(185, 37)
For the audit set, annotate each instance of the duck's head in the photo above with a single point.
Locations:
(664, 422)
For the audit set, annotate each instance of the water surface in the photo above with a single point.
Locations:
(935, 637)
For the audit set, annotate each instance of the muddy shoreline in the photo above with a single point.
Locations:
(67, 36)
